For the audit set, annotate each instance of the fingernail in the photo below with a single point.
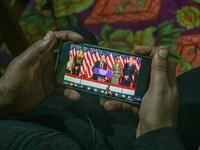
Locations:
(47, 36)
(163, 53)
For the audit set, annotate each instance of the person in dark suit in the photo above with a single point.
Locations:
(128, 72)
(99, 64)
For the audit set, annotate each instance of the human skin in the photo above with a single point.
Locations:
(29, 80)
(160, 104)
(29, 77)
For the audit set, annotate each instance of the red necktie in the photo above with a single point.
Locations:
(101, 65)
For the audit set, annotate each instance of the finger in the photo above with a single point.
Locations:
(145, 50)
(72, 95)
(119, 106)
(68, 35)
(159, 70)
(103, 100)
(50, 40)
(37, 50)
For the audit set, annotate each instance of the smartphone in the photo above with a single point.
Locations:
(102, 71)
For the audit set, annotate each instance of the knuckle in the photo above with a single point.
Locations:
(37, 45)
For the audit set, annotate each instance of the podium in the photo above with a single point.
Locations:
(102, 73)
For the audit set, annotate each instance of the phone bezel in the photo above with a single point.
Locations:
(141, 86)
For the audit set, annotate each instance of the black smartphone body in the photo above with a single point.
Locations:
(106, 72)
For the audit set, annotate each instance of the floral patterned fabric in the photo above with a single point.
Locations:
(124, 24)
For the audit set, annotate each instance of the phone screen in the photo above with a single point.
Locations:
(103, 71)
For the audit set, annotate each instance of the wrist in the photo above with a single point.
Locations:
(140, 130)
(144, 127)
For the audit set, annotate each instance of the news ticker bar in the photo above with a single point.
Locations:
(92, 86)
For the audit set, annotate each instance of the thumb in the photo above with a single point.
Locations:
(159, 68)
(72, 94)
(38, 49)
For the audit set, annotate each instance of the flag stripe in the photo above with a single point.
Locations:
(92, 55)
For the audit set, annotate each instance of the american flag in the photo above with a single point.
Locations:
(138, 63)
(91, 55)
(109, 59)
(124, 59)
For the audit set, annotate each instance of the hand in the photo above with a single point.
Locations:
(29, 77)
(126, 77)
(160, 104)
(76, 68)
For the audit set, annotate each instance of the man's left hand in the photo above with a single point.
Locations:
(29, 77)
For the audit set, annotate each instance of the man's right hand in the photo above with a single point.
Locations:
(160, 104)
(159, 107)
